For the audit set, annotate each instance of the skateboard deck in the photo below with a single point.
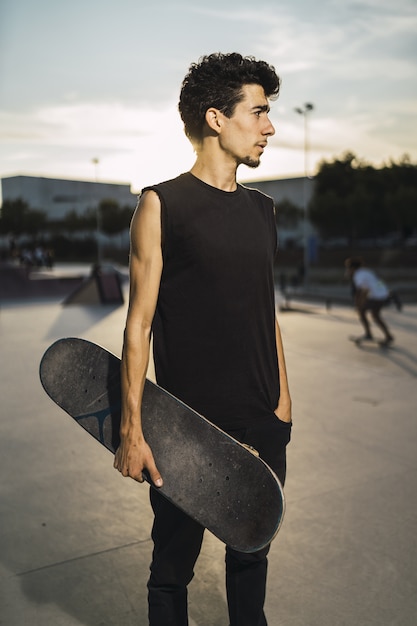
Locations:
(208, 474)
(360, 341)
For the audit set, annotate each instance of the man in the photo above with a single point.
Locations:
(370, 294)
(201, 267)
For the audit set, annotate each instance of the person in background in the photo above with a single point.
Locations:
(370, 295)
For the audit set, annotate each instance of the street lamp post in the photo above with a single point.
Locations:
(304, 111)
(96, 162)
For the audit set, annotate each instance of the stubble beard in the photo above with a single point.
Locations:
(251, 162)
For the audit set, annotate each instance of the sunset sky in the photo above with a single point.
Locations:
(90, 79)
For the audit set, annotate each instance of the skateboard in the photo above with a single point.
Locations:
(208, 474)
(360, 341)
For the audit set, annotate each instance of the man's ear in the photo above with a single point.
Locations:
(214, 119)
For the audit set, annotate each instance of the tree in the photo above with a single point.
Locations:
(73, 222)
(355, 200)
(18, 219)
(34, 222)
(287, 214)
(401, 205)
(113, 218)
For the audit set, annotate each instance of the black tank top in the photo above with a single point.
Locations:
(214, 326)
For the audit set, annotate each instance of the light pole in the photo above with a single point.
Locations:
(96, 162)
(304, 111)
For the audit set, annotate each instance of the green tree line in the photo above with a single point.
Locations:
(356, 200)
(18, 218)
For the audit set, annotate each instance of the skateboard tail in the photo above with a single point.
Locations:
(90, 401)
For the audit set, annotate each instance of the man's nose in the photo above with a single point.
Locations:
(270, 129)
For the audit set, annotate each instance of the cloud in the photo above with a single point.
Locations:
(132, 143)
(112, 93)
(84, 122)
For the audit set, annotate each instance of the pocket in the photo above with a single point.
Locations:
(283, 430)
(282, 423)
(271, 438)
(272, 430)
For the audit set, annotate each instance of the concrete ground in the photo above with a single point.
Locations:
(74, 538)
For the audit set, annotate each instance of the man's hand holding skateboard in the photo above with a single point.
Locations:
(133, 456)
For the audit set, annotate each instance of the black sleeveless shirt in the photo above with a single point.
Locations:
(214, 326)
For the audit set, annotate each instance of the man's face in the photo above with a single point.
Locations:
(244, 135)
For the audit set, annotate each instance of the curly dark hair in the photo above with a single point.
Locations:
(216, 81)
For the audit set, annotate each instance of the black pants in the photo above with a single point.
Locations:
(177, 543)
(374, 307)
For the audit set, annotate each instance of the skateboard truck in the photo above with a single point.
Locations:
(251, 449)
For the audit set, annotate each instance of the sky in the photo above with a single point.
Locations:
(89, 88)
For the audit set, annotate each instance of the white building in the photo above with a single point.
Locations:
(296, 190)
(57, 197)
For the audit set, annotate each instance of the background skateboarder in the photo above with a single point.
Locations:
(201, 280)
(370, 296)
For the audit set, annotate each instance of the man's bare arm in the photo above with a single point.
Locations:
(134, 455)
(283, 410)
